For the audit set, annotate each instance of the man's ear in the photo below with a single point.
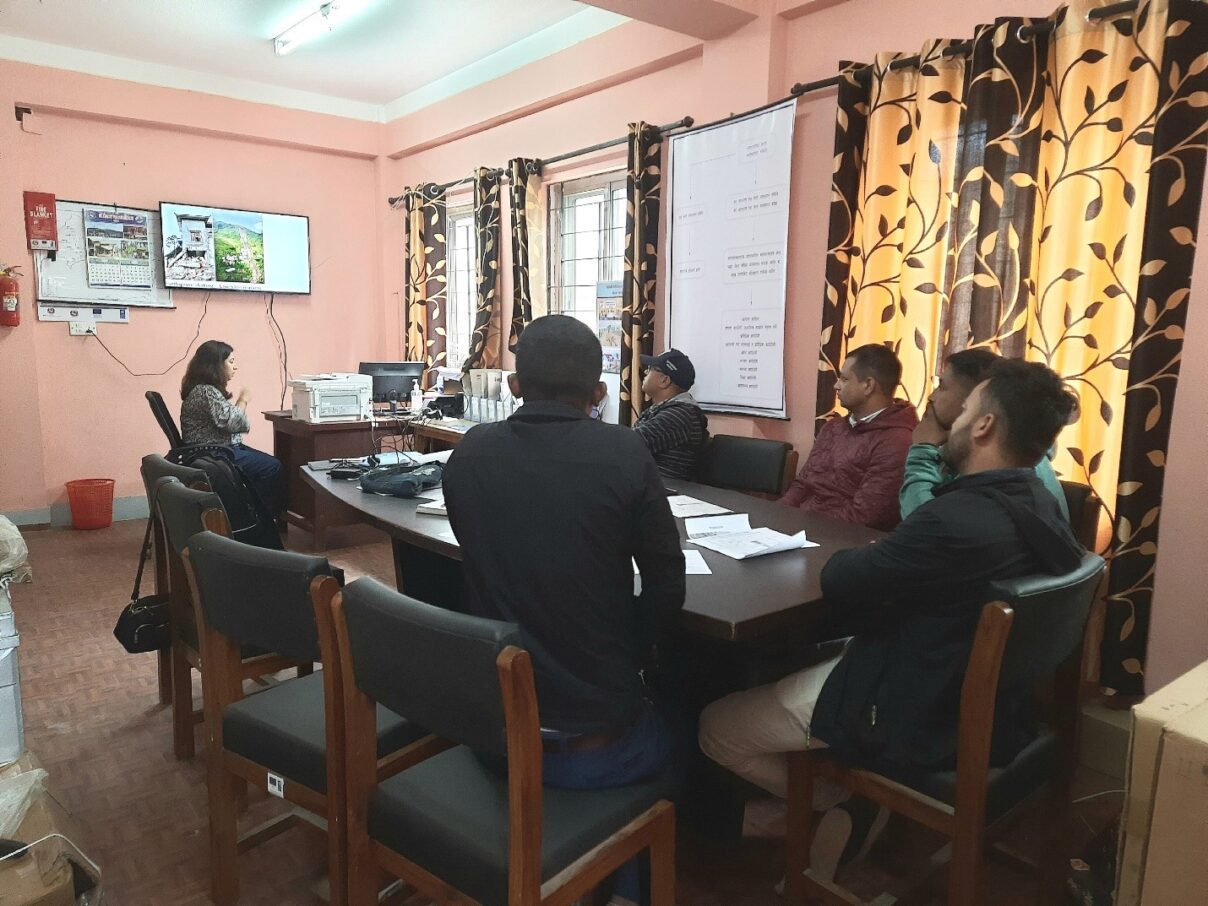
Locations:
(600, 391)
(984, 426)
(514, 385)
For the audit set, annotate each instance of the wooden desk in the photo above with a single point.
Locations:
(296, 443)
(742, 601)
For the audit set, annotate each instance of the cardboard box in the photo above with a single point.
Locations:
(1153, 719)
(44, 877)
(1176, 861)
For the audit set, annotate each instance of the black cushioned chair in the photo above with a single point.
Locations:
(751, 464)
(1031, 634)
(450, 823)
(154, 467)
(283, 736)
(181, 511)
(164, 418)
(1084, 509)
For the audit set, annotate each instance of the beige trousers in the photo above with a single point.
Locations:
(749, 732)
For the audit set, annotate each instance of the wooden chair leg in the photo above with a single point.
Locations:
(224, 832)
(964, 873)
(799, 829)
(662, 861)
(163, 659)
(1054, 860)
(337, 860)
(182, 706)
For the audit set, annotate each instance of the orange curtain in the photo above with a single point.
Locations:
(425, 286)
(1038, 194)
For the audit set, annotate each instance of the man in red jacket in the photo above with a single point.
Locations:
(854, 471)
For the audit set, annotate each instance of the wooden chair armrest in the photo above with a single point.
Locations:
(410, 756)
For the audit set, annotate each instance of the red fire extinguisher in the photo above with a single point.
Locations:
(10, 297)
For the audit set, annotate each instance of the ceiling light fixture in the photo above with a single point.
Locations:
(320, 22)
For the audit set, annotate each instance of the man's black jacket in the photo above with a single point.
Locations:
(895, 695)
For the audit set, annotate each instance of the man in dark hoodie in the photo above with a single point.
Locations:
(855, 468)
(894, 693)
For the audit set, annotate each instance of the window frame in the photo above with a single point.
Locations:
(453, 215)
(610, 248)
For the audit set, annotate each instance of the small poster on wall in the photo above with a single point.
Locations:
(118, 248)
(608, 317)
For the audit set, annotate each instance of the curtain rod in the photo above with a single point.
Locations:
(1026, 31)
(536, 166)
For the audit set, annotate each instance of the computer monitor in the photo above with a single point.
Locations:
(392, 381)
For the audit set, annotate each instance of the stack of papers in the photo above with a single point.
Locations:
(434, 505)
(694, 564)
(684, 507)
(733, 536)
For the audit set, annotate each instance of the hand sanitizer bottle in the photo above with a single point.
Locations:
(417, 399)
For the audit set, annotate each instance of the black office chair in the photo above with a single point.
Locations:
(154, 467)
(450, 823)
(253, 597)
(166, 422)
(1032, 633)
(751, 464)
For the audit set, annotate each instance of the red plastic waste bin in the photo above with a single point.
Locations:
(91, 501)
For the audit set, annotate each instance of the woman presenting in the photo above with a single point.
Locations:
(207, 416)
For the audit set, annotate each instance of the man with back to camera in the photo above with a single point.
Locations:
(550, 508)
(854, 470)
(894, 693)
(674, 428)
(925, 469)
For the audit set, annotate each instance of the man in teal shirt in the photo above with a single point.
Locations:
(925, 469)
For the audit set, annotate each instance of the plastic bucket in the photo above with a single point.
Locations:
(91, 501)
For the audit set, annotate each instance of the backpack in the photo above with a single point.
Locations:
(249, 518)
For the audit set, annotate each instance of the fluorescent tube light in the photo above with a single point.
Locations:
(320, 22)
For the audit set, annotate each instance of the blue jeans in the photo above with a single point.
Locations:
(266, 474)
(641, 754)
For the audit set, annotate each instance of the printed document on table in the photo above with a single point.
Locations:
(694, 564)
(754, 543)
(716, 525)
(434, 503)
(685, 507)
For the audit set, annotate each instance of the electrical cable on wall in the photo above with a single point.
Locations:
(205, 304)
(282, 346)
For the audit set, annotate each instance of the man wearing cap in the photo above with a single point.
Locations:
(674, 428)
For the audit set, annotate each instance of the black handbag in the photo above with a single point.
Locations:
(143, 623)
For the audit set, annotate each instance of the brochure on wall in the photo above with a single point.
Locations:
(118, 248)
(608, 315)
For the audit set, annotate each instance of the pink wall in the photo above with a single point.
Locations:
(575, 98)
(755, 64)
(67, 409)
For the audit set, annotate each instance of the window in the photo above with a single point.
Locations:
(459, 308)
(587, 242)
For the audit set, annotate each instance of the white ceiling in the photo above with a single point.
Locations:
(394, 57)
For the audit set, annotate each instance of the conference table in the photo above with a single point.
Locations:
(743, 601)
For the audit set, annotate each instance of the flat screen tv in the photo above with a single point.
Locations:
(219, 248)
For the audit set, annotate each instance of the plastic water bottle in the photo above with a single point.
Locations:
(417, 399)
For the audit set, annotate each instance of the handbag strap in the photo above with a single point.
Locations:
(146, 548)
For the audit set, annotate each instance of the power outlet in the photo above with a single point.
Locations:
(82, 328)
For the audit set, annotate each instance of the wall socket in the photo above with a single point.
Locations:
(82, 328)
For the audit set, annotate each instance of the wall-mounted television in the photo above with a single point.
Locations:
(220, 248)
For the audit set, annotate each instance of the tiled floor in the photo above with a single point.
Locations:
(92, 717)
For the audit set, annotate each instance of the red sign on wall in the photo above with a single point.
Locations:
(41, 224)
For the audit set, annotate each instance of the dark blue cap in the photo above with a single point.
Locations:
(675, 365)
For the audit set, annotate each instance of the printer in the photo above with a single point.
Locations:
(338, 397)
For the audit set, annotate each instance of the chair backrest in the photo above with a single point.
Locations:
(1050, 619)
(1084, 507)
(435, 667)
(259, 597)
(166, 423)
(154, 467)
(180, 510)
(745, 464)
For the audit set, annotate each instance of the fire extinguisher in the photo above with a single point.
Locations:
(10, 297)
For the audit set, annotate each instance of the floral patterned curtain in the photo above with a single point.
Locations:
(527, 281)
(1053, 216)
(643, 191)
(425, 285)
(485, 343)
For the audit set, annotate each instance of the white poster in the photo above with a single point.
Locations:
(727, 244)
